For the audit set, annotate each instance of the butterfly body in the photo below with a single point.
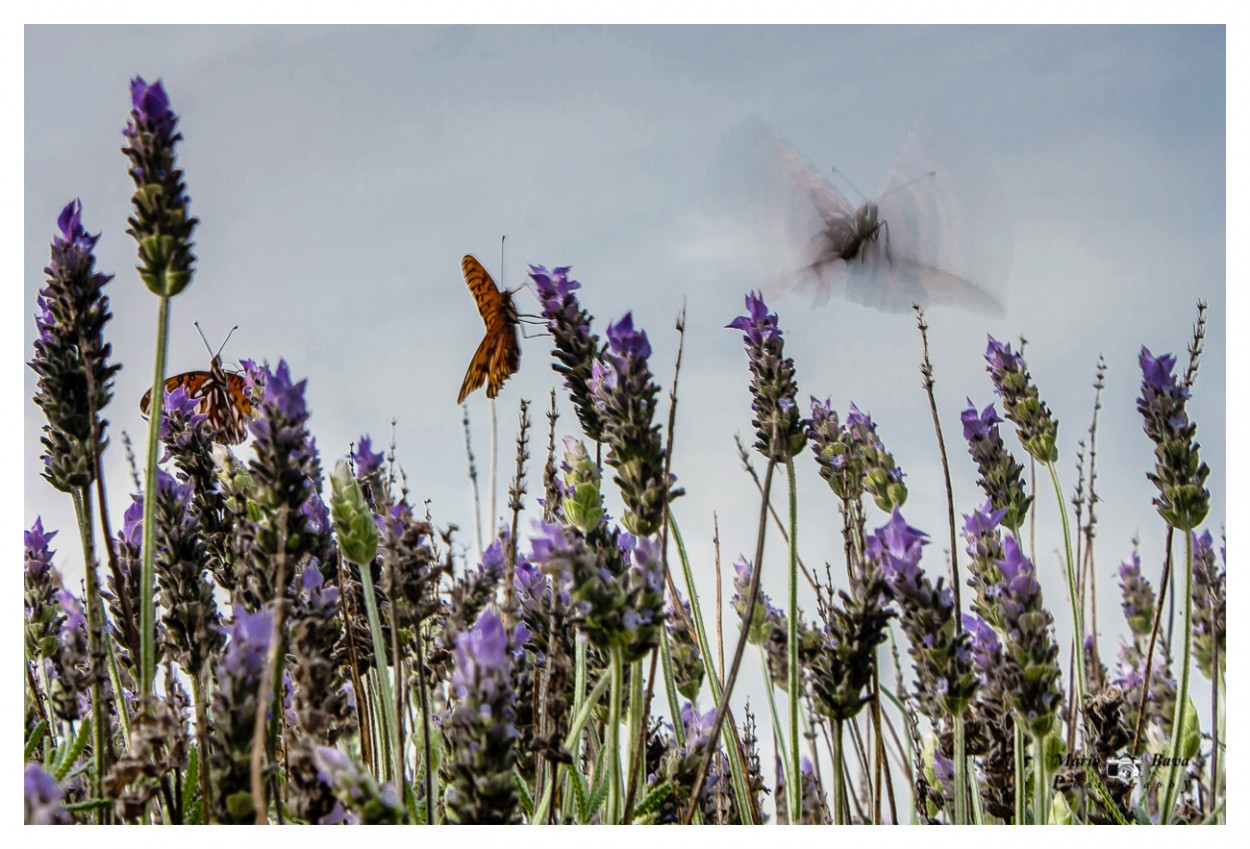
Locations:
(849, 237)
(222, 397)
(498, 356)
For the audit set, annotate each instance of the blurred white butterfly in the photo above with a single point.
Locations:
(930, 237)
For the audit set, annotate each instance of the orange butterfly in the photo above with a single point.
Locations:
(499, 355)
(223, 398)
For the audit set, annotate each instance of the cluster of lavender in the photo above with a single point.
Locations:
(940, 648)
(479, 729)
(853, 460)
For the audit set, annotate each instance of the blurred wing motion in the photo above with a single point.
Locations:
(915, 243)
(222, 398)
(499, 355)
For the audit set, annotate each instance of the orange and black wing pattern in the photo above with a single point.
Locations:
(499, 355)
(222, 397)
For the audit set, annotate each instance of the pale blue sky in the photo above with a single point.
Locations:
(340, 174)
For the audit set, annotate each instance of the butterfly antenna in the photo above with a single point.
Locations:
(910, 182)
(203, 337)
(224, 341)
(502, 241)
(848, 181)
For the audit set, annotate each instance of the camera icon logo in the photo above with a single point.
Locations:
(1123, 770)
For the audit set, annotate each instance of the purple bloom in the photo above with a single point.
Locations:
(984, 520)
(943, 658)
(624, 394)
(647, 562)
(73, 235)
(1157, 372)
(529, 580)
(367, 461)
(1000, 356)
(897, 545)
(149, 101)
(38, 555)
(978, 425)
(286, 395)
(624, 341)
(43, 798)
(554, 288)
(698, 725)
(132, 522)
(986, 649)
(315, 511)
(254, 376)
(74, 617)
(759, 325)
(319, 595)
(493, 557)
(482, 654)
(249, 641)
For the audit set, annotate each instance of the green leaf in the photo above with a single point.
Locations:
(1100, 790)
(581, 794)
(33, 741)
(598, 796)
(527, 800)
(66, 760)
(416, 807)
(89, 805)
(653, 799)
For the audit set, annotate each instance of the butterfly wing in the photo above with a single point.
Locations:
(504, 356)
(497, 358)
(829, 235)
(949, 234)
(192, 382)
(479, 367)
(229, 409)
(485, 293)
(222, 397)
(832, 205)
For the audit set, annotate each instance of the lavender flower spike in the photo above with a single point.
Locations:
(1036, 427)
(479, 730)
(1179, 473)
(1002, 478)
(161, 222)
(1031, 666)
(1210, 626)
(625, 395)
(779, 428)
(576, 348)
(75, 379)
